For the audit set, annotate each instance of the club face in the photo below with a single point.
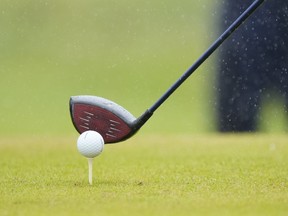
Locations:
(112, 121)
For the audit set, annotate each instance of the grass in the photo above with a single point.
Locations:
(147, 175)
(129, 52)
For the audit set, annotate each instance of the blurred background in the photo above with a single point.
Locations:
(127, 51)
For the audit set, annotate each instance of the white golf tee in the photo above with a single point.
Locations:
(90, 168)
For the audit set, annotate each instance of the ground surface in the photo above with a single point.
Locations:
(147, 175)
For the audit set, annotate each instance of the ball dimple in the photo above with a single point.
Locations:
(90, 144)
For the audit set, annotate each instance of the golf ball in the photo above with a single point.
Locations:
(90, 144)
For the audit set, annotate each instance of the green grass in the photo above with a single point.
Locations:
(127, 51)
(147, 175)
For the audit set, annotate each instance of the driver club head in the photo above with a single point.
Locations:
(112, 121)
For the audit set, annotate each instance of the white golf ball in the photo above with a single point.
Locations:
(90, 144)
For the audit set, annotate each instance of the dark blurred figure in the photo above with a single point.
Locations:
(254, 59)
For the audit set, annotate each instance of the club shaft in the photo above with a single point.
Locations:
(207, 53)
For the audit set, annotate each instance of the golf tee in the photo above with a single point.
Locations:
(90, 170)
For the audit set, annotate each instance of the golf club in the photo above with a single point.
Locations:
(116, 124)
